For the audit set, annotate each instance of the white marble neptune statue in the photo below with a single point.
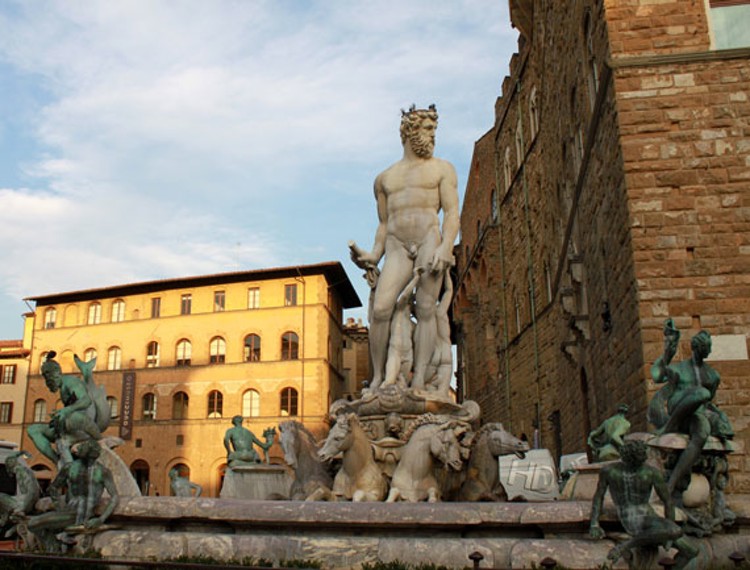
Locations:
(417, 254)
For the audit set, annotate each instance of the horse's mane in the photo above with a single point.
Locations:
(424, 420)
(492, 426)
(300, 429)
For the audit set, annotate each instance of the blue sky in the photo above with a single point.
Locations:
(153, 139)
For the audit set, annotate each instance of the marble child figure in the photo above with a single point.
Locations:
(410, 195)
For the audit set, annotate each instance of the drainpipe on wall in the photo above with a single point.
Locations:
(529, 259)
(506, 356)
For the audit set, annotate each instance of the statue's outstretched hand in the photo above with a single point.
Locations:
(361, 258)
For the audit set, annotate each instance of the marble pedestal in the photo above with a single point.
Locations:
(256, 482)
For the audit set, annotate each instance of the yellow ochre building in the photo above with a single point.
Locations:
(180, 357)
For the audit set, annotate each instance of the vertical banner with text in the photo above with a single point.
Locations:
(126, 412)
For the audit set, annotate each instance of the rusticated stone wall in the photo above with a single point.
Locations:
(629, 203)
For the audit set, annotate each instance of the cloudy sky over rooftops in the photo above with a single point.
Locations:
(153, 139)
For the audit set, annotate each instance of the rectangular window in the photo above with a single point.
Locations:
(290, 295)
(50, 316)
(253, 298)
(155, 307)
(186, 304)
(9, 374)
(219, 301)
(727, 17)
(179, 440)
(6, 412)
(139, 442)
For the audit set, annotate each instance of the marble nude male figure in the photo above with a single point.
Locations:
(410, 194)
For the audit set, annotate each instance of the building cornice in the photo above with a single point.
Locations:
(678, 58)
(333, 271)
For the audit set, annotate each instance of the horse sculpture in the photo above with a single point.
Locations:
(312, 482)
(360, 478)
(431, 439)
(482, 480)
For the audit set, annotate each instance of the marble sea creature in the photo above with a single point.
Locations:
(482, 479)
(311, 478)
(360, 478)
(432, 441)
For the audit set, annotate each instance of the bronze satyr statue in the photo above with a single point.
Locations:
(684, 405)
(27, 489)
(85, 413)
(630, 482)
(606, 440)
(182, 486)
(238, 441)
(85, 481)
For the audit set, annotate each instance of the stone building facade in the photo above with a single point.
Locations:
(356, 357)
(14, 372)
(612, 192)
(180, 357)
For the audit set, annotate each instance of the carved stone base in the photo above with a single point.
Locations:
(256, 482)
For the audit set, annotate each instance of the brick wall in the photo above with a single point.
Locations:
(685, 130)
(632, 197)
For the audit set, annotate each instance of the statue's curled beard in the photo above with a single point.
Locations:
(421, 146)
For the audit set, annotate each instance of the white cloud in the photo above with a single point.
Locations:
(174, 130)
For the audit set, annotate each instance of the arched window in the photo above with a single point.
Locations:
(70, 316)
(180, 406)
(184, 352)
(252, 348)
(149, 406)
(40, 411)
(494, 206)
(118, 311)
(114, 358)
(517, 305)
(519, 143)
(94, 314)
(217, 350)
(140, 470)
(289, 402)
(533, 114)
(50, 318)
(506, 169)
(250, 404)
(215, 404)
(548, 282)
(89, 354)
(289, 346)
(152, 354)
(114, 410)
(222, 471)
(592, 72)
